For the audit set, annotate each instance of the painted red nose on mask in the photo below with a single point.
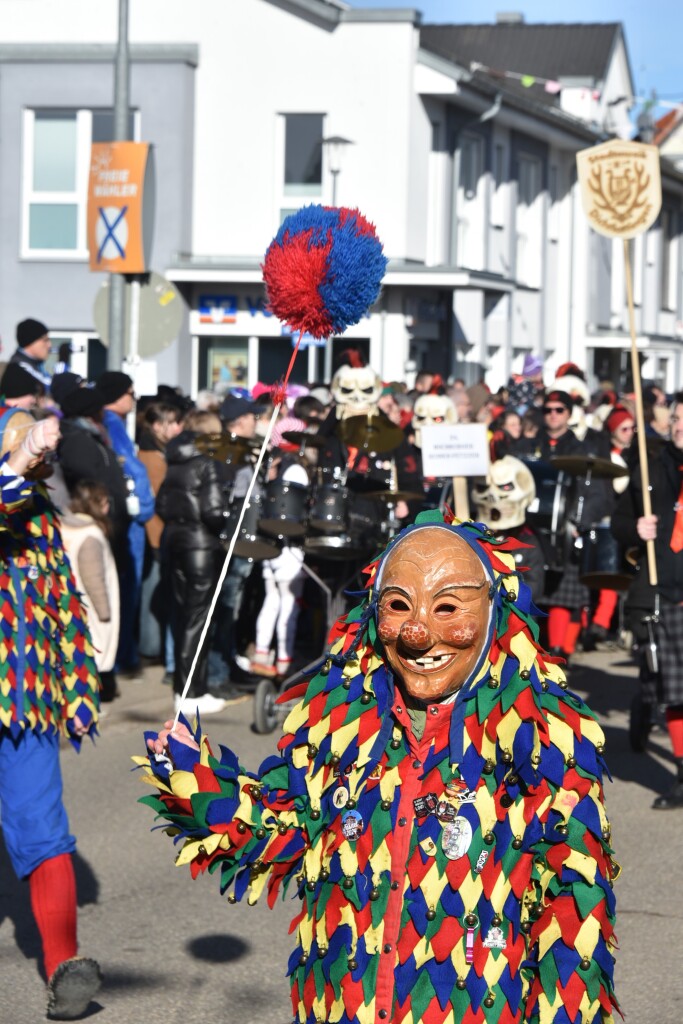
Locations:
(415, 635)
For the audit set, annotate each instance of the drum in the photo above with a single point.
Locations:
(358, 538)
(548, 511)
(284, 509)
(250, 543)
(602, 565)
(329, 511)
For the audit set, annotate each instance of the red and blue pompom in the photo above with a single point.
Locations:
(323, 270)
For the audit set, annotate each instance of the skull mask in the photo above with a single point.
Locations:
(502, 501)
(430, 411)
(356, 390)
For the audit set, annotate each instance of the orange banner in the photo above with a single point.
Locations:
(120, 207)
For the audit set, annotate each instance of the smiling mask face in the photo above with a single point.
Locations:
(433, 612)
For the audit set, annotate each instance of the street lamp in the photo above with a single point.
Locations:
(335, 146)
(646, 122)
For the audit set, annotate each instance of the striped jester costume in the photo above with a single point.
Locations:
(458, 870)
(47, 664)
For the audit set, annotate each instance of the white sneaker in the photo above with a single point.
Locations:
(243, 662)
(207, 704)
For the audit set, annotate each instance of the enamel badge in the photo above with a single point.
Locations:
(456, 838)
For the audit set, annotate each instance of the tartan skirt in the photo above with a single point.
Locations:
(669, 633)
(564, 589)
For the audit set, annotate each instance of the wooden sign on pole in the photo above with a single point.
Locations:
(621, 191)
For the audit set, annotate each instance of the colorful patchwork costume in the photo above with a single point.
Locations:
(458, 870)
(47, 676)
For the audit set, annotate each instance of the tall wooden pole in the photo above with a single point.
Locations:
(640, 417)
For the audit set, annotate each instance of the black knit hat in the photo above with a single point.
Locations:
(63, 383)
(113, 384)
(29, 331)
(86, 401)
(18, 382)
(562, 398)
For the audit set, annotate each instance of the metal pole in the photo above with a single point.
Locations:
(117, 284)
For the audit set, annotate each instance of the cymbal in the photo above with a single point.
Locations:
(225, 447)
(302, 437)
(374, 433)
(580, 465)
(391, 497)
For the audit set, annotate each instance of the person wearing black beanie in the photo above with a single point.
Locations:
(85, 453)
(33, 349)
(119, 393)
(19, 388)
(114, 385)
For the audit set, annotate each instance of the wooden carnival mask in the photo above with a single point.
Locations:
(433, 614)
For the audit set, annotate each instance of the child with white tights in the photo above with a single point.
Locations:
(284, 582)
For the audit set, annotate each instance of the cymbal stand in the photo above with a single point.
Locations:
(582, 497)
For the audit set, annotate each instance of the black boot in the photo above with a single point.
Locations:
(674, 798)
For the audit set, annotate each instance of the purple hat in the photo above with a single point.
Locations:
(532, 365)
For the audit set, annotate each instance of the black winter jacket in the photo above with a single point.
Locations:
(85, 455)
(192, 499)
(666, 476)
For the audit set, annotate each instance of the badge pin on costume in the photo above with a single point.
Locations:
(481, 861)
(352, 825)
(341, 795)
(495, 939)
(456, 838)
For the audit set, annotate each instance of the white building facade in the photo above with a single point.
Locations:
(471, 186)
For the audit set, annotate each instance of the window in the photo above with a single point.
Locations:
(303, 154)
(499, 180)
(470, 203)
(529, 221)
(554, 200)
(669, 259)
(56, 163)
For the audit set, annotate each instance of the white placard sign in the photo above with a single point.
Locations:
(458, 450)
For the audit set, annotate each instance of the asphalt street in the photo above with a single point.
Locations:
(172, 950)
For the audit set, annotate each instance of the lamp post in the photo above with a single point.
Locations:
(335, 146)
(646, 119)
(117, 282)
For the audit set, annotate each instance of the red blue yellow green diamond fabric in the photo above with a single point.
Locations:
(385, 918)
(47, 664)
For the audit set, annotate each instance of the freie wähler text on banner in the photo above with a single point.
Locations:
(120, 207)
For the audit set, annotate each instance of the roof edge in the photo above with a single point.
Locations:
(41, 53)
(386, 14)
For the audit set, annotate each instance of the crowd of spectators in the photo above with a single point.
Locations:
(128, 468)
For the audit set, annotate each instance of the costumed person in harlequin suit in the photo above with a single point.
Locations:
(500, 502)
(665, 526)
(437, 804)
(49, 688)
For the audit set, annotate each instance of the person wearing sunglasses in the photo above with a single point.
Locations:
(565, 596)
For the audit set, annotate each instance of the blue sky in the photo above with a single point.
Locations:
(654, 30)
